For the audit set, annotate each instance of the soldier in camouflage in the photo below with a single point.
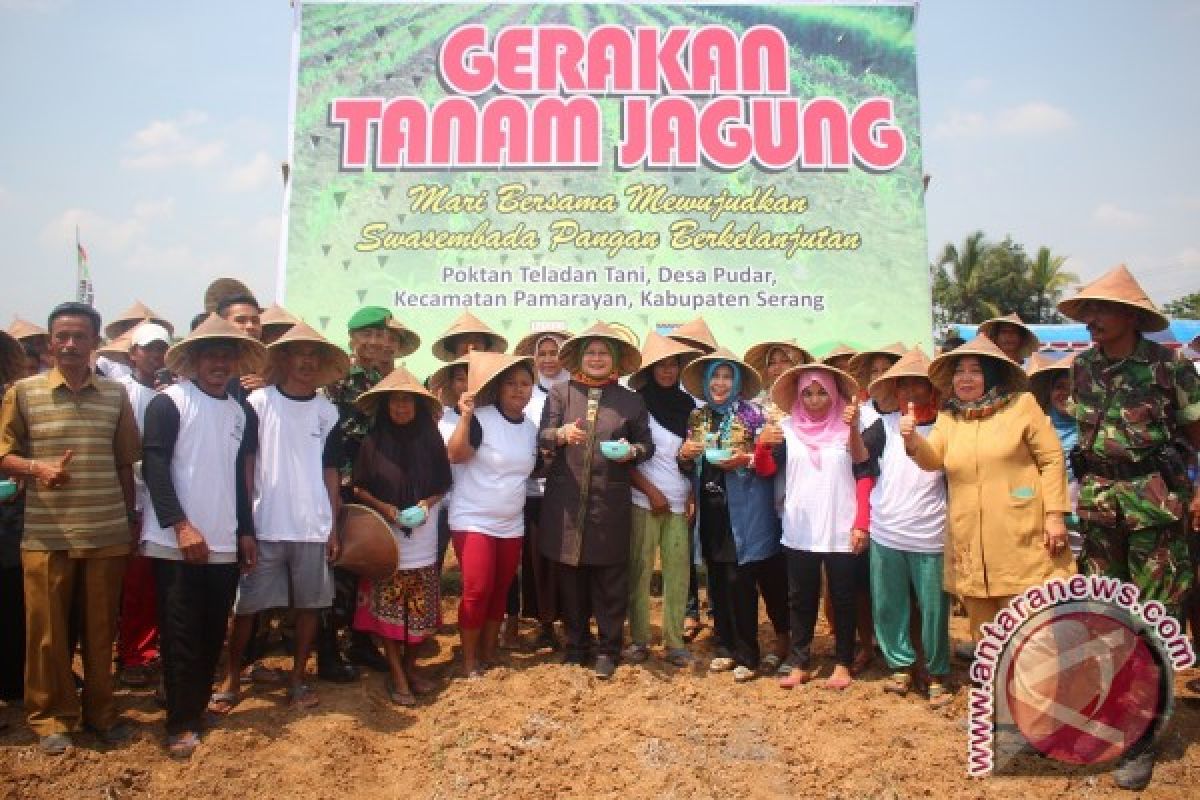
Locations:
(1138, 408)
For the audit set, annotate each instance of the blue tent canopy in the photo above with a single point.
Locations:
(1075, 334)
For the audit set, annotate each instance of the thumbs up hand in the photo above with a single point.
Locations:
(850, 414)
(54, 474)
(908, 422)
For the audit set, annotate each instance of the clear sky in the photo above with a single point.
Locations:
(159, 127)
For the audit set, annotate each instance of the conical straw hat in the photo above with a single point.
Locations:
(1117, 286)
(467, 323)
(407, 340)
(130, 317)
(441, 376)
(369, 548)
(398, 380)
(23, 329)
(757, 355)
(839, 351)
(12, 359)
(783, 392)
(628, 358)
(276, 316)
(483, 370)
(1043, 371)
(693, 373)
(659, 348)
(913, 364)
(859, 364)
(334, 363)
(528, 344)
(697, 334)
(251, 354)
(118, 349)
(1029, 339)
(941, 369)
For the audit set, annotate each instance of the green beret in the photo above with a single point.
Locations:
(368, 317)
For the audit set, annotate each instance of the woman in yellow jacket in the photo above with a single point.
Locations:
(1005, 475)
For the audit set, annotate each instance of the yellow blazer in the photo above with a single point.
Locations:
(1003, 473)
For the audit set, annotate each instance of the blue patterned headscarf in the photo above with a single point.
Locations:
(733, 394)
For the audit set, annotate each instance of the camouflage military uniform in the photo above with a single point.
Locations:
(1132, 502)
(353, 422)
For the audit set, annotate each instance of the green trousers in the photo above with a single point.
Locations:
(1156, 560)
(893, 574)
(667, 535)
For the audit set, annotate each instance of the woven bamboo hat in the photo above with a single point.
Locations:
(441, 375)
(484, 370)
(913, 364)
(118, 348)
(276, 316)
(1117, 286)
(1029, 339)
(12, 358)
(696, 334)
(659, 348)
(941, 369)
(407, 340)
(467, 323)
(693, 373)
(251, 354)
(132, 316)
(528, 344)
(1043, 371)
(369, 548)
(839, 351)
(783, 393)
(757, 355)
(628, 358)
(859, 364)
(398, 380)
(334, 363)
(23, 330)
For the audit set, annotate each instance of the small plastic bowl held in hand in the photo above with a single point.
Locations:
(715, 455)
(7, 489)
(614, 449)
(412, 517)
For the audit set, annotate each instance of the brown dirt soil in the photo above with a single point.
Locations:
(534, 728)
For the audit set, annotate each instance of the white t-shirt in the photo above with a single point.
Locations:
(662, 471)
(489, 493)
(908, 504)
(203, 469)
(446, 426)
(113, 370)
(536, 487)
(291, 503)
(819, 505)
(139, 397)
(419, 549)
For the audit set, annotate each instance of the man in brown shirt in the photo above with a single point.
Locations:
(74, 437)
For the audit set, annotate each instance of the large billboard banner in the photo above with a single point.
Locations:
(548, 165)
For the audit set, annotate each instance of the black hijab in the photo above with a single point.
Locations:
(401, 464)
(670, 406)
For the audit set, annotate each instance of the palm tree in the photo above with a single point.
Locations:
(960, 290)
(1048, 279)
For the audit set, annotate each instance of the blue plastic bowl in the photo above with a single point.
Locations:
(614, 449)
(412, 517)
(7, 489)
(714, 455)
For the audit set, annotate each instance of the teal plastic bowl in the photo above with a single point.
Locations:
(412, 517)
(715, 454)
(7, 489)
(614, 449)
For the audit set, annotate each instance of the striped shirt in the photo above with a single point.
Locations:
(41, 418)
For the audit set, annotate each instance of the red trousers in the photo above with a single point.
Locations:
(488, 565)
(137, 628)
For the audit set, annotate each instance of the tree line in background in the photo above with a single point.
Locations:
(981, 279)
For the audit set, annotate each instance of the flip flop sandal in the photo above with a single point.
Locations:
(302, 696)
(899, 683)
(398, 697)
(940, 695)
(182, 745)
(795, 677)
(691, 629)
(770, 663)
(221, 703)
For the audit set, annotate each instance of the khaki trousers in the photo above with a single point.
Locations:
(981, 610)
(54, 581)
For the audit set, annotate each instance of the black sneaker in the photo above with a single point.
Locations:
(1134, 772)
(605, 667)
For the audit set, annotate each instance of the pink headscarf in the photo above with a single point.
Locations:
(830, 429)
